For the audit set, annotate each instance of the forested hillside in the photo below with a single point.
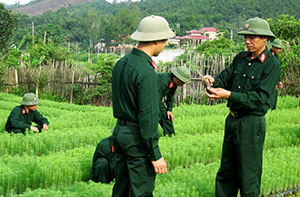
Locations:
(99, 19)
(42, 6)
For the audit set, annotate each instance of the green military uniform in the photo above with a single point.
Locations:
(167, 88)
(135, 137)
(251, 82)
(274, 98)
(278, 44)
(275, 55)
(18, 120)
(103, 162)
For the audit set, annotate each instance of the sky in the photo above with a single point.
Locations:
(9, 2)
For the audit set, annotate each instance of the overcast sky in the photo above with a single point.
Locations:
(9, 2)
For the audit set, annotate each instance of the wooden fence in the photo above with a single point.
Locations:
(60, 78)
(194, 91)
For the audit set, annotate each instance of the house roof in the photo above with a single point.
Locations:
(194, 31)
(211, 29)
(194, 37)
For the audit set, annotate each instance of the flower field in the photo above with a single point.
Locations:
(58, 162)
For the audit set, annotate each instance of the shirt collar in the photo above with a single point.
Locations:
(142, 54)
(261, 57)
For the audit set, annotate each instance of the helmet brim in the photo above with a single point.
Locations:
(37, 101)
(257, 32)
(146, 37)
(277, 46)
(176, 73)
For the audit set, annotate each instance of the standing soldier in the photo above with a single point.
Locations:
(22, 116)
(248, 84)
(276, 47)
(275, 50)
(136, 106)
(168, 83)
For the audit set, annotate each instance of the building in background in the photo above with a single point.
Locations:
(195, 37)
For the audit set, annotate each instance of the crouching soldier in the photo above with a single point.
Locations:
(103, 162)
(22, 116)
(168, 83)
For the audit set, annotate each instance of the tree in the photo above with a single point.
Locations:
(219, 46)
(8, 23)
(124, 23)
(286, 27)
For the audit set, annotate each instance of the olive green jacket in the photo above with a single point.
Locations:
(167, 88)
(19, 120)
(251, 82)
(136, 97)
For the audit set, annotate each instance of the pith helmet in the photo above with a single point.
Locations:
(152, 28)
(30, 99)
(182, 73)
(277, 43)
(256, 26)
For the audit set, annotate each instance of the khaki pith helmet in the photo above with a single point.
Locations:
(277, 43)
(256, 26)
(182, 73)
(152, 28)
(30, 99)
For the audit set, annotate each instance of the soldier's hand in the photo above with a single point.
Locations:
(170, 115)
(160, 166)
(35, 129)
(208, 80)
(217, 93)
(45, 127)
(280, 85)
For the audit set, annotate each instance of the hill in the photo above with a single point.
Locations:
(89, 21)
(41, 7)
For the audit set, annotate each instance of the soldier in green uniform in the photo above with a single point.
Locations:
(103, 162)
(136, 106)
(276, 48)
(248, 84)
(22, 116)
(168, 83)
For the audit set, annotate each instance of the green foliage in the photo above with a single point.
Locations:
(8, 24)
(52, 33)
(290, 64)
(219, 46)
(285, 27)
(14, 56)
(42, 53)
(101, 20)
(103, 73)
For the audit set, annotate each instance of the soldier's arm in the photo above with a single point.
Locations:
(39, 118)
(170, 100)
(148, 100)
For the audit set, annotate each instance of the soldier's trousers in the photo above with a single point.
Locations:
(241, 164)
(134, 171)
(165, 123)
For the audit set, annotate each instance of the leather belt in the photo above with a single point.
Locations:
(127, 123)
(235, 114)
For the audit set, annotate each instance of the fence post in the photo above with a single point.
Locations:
(16, 77)
(73, 77)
